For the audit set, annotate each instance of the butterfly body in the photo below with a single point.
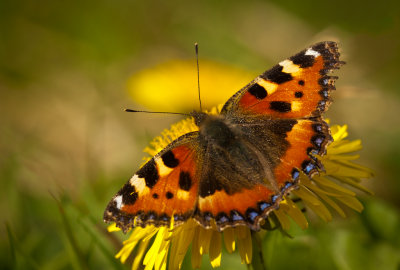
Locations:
(240, 163)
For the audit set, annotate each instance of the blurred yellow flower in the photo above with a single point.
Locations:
(172, 86)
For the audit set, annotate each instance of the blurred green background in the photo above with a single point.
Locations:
(66, 145)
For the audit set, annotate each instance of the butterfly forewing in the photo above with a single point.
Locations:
(297, 87)
(164, 188)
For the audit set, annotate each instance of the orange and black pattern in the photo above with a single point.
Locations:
(236, 169)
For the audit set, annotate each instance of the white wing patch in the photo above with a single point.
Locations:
(118, 201)
(312, 52)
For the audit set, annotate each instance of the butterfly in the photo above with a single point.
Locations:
(241, 162)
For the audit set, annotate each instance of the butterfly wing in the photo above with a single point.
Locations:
(164, 188)
(278, 117)
(298, 87)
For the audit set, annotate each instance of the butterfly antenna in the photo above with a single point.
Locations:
(130, 110)
(196, 47)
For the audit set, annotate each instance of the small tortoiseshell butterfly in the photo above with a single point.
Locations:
(236, 169)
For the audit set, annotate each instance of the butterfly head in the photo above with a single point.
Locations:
(213, 129)
(199, 117)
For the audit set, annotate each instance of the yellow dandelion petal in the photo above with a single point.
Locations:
(353, 181)
(215, 249)
(196, 255)
(151, 255)
(339, 132)
(139, 254)
(311, 186)
(161, 259)
(169, 135)
(151, 152)
(334, 157)
(366, 172)
(345, 147)
(351, 202)
(244, 243)
(346, 168)
(330, 186)
(313, 203)
(204, 240)
(283, 219)
(133, 240)
(153, 251)
(229, 239)
(125, 251)
(113, 228)
(291, 209)
(145, 233)
(332, 204)
(240, 232)
(321, 210)
(181, 239)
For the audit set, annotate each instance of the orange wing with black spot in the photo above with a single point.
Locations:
(297, 87)
(164, 188)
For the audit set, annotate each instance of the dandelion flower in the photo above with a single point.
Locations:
(165, 248)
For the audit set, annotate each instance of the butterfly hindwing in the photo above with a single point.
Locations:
(244, 207)
(164, 188)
